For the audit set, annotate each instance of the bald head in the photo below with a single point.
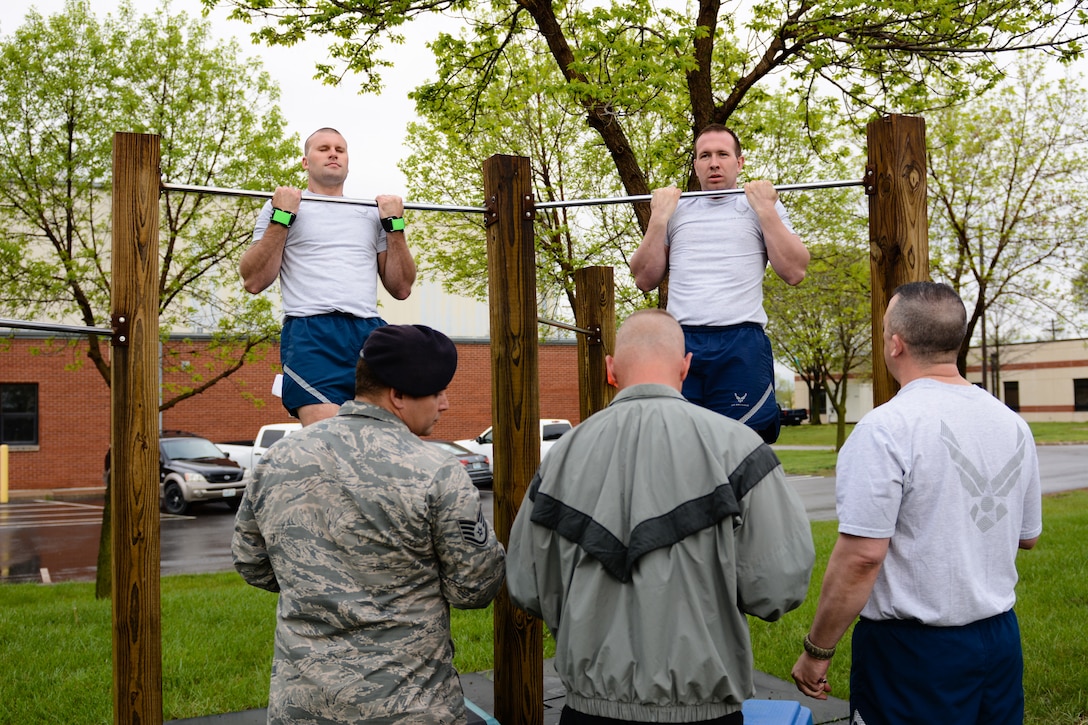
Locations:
(649, 349)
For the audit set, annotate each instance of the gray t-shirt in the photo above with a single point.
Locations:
(330, 263)
(717, 259)
(951, 475)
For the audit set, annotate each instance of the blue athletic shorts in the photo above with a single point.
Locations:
(905, 672)
(319, 354)
(732, 373)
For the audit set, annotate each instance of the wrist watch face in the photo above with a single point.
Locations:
(282, 217)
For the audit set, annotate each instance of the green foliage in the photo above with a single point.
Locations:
(621, 62)
(606, 98)
(1007, 198)
(567, 163)
(823, 326)
(67, 84)
(884, 54)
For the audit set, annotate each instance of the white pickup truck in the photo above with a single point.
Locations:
(248, 453)
(551, 430)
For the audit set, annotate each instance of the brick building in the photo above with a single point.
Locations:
(52, 392)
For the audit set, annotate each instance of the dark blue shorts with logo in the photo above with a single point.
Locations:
(319, 354)
(732, 373)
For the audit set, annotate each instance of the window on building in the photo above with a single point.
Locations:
(1080, 394)
(1012, 394)
(19, 414)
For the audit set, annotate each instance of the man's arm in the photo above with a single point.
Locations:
(396, 268)
(650, 261)
(851, 572)
(248, 546)
(786, 252)
(775, 553)
(471, 560)
(521, 562)
(260, 264)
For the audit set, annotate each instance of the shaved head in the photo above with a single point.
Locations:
(649, 349)
(650, 332)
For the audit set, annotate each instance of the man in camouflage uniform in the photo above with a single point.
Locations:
(369, 535)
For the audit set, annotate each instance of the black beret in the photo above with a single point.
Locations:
(413, 359)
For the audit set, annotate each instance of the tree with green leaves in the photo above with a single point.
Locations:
(445, 164)
(1007, 200)
(568, 163)
(619, 61)
(823, 328)
(69, 82)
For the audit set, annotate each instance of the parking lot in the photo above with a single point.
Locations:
(53, 541)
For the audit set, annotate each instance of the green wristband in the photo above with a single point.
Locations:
(282, 217)
(393, 224)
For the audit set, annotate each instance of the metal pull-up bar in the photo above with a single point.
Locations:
(220, 191)
(560, 203)
(687, 194)
(51, 327)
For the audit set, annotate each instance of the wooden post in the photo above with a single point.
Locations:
(898, 223)
(515, 419)
(134, 432)
(595, 309)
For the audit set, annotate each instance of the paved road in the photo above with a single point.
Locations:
(58, 540)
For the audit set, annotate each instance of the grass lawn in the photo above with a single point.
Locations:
(217, 637)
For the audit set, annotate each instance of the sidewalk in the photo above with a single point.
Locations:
(479, 687)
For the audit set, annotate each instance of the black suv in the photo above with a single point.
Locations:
(192, 470)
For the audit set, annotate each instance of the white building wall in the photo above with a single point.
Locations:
(1046, 373)
(458, 317)
(859, 400)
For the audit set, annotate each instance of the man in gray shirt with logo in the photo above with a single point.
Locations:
(936, 490)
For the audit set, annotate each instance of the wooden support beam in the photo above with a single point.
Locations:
(134, 431)
(595, 309)
(515, 411)
(898, 223)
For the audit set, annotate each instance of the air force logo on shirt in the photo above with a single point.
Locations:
(989, 495)
(474, 531)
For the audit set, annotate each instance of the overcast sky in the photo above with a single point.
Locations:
(373, 125)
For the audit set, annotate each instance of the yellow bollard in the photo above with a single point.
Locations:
(3, 474)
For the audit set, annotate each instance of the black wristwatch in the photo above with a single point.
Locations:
(393, 224)
(282, 217)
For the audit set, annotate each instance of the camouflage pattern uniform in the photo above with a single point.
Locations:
(369, 535)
